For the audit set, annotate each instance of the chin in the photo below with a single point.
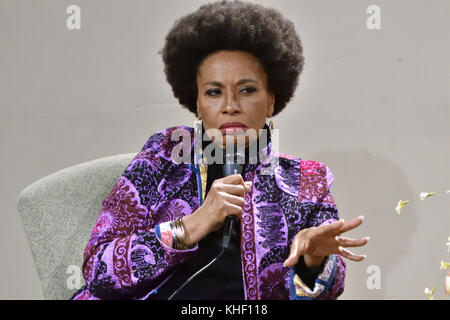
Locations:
(235, 139)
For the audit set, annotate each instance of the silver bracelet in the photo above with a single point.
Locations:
(178, 235)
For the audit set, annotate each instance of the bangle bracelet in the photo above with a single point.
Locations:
(184, 245)
(179, 236)
(182, 227)
(175, 236)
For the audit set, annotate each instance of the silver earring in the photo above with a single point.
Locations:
(198, 128)
(270, 125)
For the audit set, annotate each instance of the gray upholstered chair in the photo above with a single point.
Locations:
(58, 213)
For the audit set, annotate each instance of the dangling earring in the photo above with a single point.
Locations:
(270, 125)
(198, 137)
(198, 128)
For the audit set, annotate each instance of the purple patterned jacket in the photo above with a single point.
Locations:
(126, 259)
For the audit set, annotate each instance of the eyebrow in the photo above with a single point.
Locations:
(219, 84)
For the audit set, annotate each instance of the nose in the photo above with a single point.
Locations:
(231, 105)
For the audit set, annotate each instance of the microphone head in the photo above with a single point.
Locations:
(234, 158)
(234, 164)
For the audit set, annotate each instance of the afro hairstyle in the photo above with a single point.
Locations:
(233, 25)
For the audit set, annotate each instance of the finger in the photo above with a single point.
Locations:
(295, 253)
(237, 200)
(352, 224)
(348, 242)
(233, 179)
(331, 227)
(237, 189)
(350, 255)
(233, 210)
(234, 189)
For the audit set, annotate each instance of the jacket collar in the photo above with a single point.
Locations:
(264, 156)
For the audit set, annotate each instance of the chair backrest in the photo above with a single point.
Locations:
(58, 213)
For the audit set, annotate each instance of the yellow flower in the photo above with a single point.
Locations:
(429, 293)
(444, 265)
(424, 195)
(400, 205)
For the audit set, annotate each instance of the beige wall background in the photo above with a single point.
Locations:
(372, 104)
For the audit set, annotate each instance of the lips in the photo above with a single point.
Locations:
(233, 127)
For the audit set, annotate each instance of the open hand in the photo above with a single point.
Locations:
(317, 242)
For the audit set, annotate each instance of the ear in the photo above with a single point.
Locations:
(199, 116)
(271, 104)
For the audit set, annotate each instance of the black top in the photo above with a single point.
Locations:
(223, 279)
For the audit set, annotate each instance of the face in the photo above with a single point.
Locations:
(233, 96)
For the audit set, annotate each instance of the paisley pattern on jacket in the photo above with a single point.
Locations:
(125, 258)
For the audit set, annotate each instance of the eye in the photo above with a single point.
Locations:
(248, 89)
(212, 92)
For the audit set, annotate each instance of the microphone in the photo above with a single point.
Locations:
(234, 164)
(231, 166)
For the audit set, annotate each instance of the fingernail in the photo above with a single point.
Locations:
(286, 261)
(362, 217)
(368, 238)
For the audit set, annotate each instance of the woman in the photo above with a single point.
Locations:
(233, 64)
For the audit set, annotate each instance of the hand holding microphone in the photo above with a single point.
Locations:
(225, 199)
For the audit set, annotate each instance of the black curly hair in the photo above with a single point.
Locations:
(233, 25)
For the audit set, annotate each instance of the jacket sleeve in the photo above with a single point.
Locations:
(124, 258)
(330, 276)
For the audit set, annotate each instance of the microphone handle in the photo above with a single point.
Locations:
(227, 228)
(229, 169)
